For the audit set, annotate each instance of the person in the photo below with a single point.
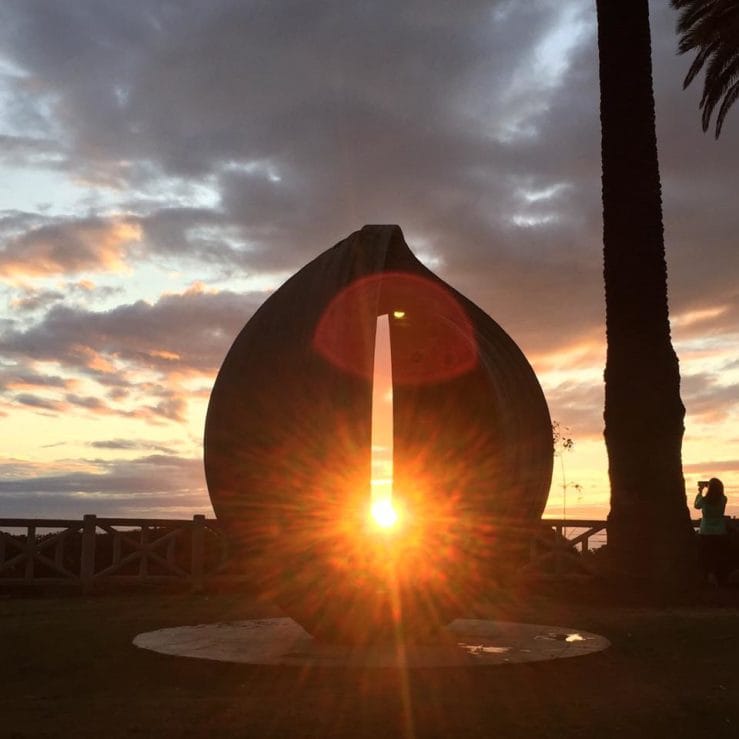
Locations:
(714, 540)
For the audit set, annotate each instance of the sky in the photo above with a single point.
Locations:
(166, 165)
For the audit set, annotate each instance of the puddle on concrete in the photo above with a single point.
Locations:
(562, 637)
(483, 648)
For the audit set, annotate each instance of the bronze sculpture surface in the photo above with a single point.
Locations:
(287, 445)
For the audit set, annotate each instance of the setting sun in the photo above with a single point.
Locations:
(384, 514)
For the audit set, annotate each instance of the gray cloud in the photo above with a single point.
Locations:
(578, 407)
(157, 483)
(130, 445)
(89, 402)
(67, 246)
(36, 299)
(708, 398)
(36, 401)
(28, 151)
(28, 299)
(189, 332)
(176, 337)
(156, 473)
(14, 379)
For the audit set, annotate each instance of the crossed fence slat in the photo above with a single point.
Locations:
(31, 551)
(143, 551)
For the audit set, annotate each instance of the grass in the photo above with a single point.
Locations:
(70, 671)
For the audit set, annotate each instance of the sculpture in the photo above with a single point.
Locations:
(287, 445)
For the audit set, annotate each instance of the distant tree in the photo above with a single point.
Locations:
(711, 28)
(650, 536)
(563, 443)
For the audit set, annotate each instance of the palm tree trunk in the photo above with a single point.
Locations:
(649, 533)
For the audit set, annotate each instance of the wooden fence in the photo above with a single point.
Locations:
(196, 551)
(120, 549)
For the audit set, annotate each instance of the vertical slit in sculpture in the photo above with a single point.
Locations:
(381, 482)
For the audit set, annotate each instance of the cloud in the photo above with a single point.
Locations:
(714, 467)
(130, 445)
(12, 379)
(33, 300)
(165, 404)
(140, 354)
(89, 402)
(28, 151)
(27, 298)
(578, 406)
(179, 333)
(708, 397)
(69, 246)
(36, 401)
(155, 473)
(170, 407)
(155, 482)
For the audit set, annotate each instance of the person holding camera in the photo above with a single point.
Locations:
(714, 540)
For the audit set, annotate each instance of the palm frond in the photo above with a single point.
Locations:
(729, 100)
(700, 59)
(711, 29)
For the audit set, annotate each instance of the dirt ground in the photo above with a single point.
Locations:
(69, 670)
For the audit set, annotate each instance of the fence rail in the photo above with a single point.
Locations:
(196, 550)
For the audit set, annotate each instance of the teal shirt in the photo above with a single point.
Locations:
(712, 520)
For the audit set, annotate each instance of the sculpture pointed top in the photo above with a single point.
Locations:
(382, 229)
(378, 247)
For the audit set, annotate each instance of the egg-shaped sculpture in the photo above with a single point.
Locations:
(288, 446)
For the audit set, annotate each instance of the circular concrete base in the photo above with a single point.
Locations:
(281, 641)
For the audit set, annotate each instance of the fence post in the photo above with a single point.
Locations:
(558, 554)
(197, 565)
(87, 561)
(30, 551)
(144, 561)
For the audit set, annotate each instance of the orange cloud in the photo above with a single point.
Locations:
(95, 360)
(163, 354)
(587, 352)
(64, 247)
(692, 317)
